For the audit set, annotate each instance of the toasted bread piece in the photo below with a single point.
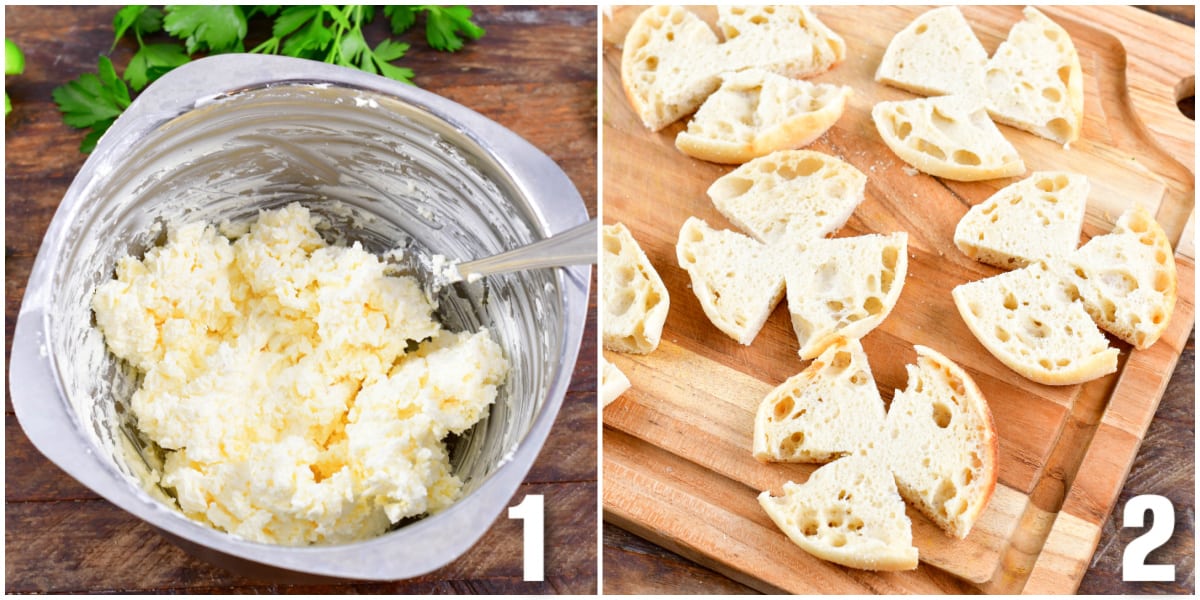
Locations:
(791, 194)
(1029, 321)
(844, 287)
(937, 54)
(785, 39)
(1127, 278)
(736, 279)
(636, 301)
(1034, 81)
(613, 382)
(757, 112)
(947, 136)
(941, 443)
(848, 512)
(1037, 218)
(667, 65)
(830, 409)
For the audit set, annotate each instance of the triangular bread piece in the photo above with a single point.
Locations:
(788, 40)
(1127, 278)
(736, 279)
(1037, 218)
(848, 512)
(667, 65)
(935, 55)
(636, 301)
(789, 195)
(947, 136)
(844, 287)
(613, 382)
(756, 112)
(1034, 81)
(830, 409)
(941, 443)
(1029, 321)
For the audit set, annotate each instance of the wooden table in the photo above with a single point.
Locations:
(1164, 466)
(535, 73)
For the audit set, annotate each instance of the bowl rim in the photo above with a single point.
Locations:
(413, 550)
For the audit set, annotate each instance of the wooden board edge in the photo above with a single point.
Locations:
(1060, 567)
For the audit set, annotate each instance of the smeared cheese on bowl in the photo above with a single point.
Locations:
(300, 394)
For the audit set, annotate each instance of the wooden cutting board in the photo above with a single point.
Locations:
(677, 463)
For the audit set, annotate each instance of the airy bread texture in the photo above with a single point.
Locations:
(1037, 218)
(936, 55)
(848, 512)
(671, 60)
(828, 410)
(736, 279)
(635, 299)
(613, 382)
(757, 112)
(1034, 81)
(1127, 278)
(790, 194)
(947, 136)
(844, 287)
(941, 443)
(1029, 320)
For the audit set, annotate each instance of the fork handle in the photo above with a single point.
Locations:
(575, 246)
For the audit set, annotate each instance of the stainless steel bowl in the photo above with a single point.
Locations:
(388, 165)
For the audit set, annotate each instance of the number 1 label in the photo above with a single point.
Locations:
(530, 511)
(1134, 567)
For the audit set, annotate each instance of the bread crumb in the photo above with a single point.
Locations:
(910, 171)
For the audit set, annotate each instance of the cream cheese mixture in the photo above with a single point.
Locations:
(301, 395)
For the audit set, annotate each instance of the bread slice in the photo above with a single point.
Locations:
(1029, 321)
(844, 287)
(947, 136)
(1037, 218)
(635, 300)
(790, 194)
(848, 512)
(613, 382)
(788, 40)
(667, 65)
(736, 279)
(1034, 81)
(937, 54)
(830, 409)
(941, 443)
(756, 112)
(1127, 278)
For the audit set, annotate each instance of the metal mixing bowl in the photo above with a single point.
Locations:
(386, 164)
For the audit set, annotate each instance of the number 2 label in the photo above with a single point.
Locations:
(532, 514)
(1134, 567)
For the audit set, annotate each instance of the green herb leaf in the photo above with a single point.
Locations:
(445, 24)
(142, 19)
(215, 28)
(152, 62)
(92, 100)
(402, 18)
(14, 59)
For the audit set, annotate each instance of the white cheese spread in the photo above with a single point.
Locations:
(300, 394)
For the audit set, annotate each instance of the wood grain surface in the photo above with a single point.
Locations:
(1064, 452)
(535, 73)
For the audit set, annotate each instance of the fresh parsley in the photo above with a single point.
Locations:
(14, 64)
(333, 34)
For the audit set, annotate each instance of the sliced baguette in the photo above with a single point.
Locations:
(1034, 81)
(1127, 278)
(790, 194)
(936, 54)
(941, 443)
(1029, 321)
(830, 409)
(736, 279)
(636, 301)
(667, 65)
(788, 40)
(613, 382)
(844, 287)
(848, 512)
(756, 112)
(1037, 218)
(947, 136)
